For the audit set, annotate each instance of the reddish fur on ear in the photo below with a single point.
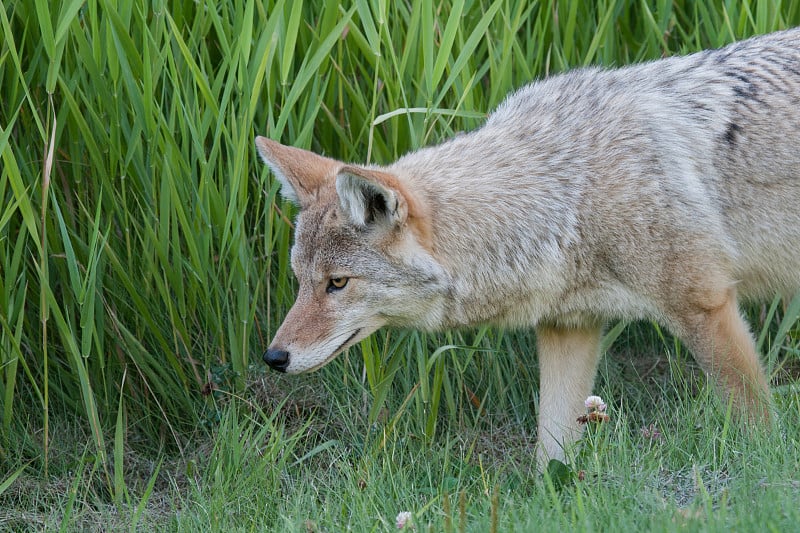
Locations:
(416, 216)
(302, 173)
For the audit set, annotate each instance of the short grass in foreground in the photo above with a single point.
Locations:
(301, 455)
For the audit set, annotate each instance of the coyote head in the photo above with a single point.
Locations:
(363, 257)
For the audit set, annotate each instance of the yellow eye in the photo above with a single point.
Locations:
(335, 284)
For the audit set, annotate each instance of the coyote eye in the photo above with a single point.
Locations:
(336, 284)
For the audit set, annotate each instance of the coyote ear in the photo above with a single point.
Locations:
(302, 173)
(371, 197)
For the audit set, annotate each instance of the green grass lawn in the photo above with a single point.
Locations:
(144, 267)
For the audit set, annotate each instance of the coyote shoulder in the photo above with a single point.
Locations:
(668, 191)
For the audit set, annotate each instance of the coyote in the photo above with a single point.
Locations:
(666, 191)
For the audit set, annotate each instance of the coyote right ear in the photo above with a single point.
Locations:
(302, 173)
(378, 199)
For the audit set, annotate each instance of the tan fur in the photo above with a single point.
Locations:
(568, 362)
(723, 345)
(664, 191)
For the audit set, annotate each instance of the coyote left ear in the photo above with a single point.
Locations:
(371, 197)
(302, 174)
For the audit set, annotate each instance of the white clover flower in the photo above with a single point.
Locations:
(595, 403)
(402, 519)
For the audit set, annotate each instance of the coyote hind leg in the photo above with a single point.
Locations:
(722, 344)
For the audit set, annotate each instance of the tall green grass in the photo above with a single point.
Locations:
(143, 250)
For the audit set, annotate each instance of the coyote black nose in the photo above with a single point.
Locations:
(277, 359)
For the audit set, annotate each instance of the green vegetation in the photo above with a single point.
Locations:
(144, 267)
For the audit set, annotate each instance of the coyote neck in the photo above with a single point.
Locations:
(503, 240)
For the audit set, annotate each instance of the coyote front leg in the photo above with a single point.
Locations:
(567, 366)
